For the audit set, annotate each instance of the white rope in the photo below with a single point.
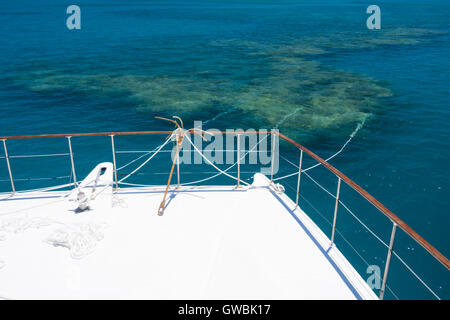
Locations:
(139, 185)
(155, 151)
(288, 175)
(81, 238)
(286, 117)
(184, 173)
(201, 180)
(216, 117)
(108, 185)
(352, 135)
(216, 175)
(146, 161)
(213, 165)
(133, 161)
(140, 157)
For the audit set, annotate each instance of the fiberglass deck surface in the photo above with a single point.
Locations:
(211, 243)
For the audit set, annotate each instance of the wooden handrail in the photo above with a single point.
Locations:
(120, 133)
(427, 246)
(62, 135)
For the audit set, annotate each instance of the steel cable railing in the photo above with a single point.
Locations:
(389, 246)
(340, 234)
(275, 134)
(340, 201)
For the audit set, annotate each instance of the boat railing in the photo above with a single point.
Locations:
(341, 178)
(395, 220)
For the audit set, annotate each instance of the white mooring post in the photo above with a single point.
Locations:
(388, 261)
(298, 179)
(9, 167)
(72, 162)
(336, 210)
(114, 161)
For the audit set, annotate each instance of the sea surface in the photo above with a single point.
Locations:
(311, 69)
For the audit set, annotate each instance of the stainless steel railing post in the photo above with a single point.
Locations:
(336, 210)
(9, 167)
(388, 261)
(114, 161)
(75, 181)
(298, 179)
(273, 157)
(178, 165)
(238, 160)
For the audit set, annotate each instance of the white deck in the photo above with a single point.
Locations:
(211, 243)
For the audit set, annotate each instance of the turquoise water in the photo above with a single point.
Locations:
(309, 68)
